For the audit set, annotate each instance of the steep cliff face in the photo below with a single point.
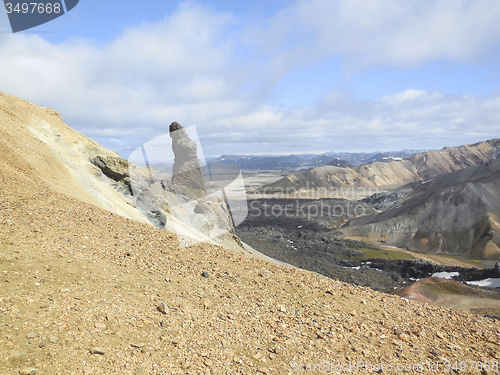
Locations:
(456, 213)
(420, 167)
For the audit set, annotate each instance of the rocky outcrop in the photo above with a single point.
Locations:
(187, 177)
(115, 168)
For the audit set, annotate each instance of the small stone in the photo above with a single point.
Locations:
(263, 370)
(42, 344)
(53, 339)
(143, 369)
(162, 324)
(100, 326)
(205, 274)
(15, 354)
(258, 355)
(31, 335)
(208, 362)
(162, 308)
(97, 350)
(28, 371)
(88, 370)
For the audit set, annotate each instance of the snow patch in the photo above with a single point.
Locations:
(445, 275)
(491, 283)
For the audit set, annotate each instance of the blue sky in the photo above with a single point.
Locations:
(266, 76)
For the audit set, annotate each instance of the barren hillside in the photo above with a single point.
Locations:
(82, 290)
(455, 213)
(420, 167)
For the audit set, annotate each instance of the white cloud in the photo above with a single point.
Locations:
(382, 33)
(189, 68)
(4, 25)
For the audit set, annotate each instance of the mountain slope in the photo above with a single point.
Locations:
(423, 166)
(456, 213)
(37, 139)
(82, 287)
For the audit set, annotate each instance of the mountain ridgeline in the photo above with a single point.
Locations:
(306, 161)
(391, 171)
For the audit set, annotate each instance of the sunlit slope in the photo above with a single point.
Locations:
(36, 142)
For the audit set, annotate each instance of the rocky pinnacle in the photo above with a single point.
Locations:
(187, 176)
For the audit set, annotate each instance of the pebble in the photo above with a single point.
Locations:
(205, 274)
(258, 355)
(53, 339)
(28, 371)
(162, 308)
(97, 350)
(142, 370)
(15, 354)
(100, 326)
(31, 335)
(42, 344)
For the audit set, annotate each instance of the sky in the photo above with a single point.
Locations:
(261, 77)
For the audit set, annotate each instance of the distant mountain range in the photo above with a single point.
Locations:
(304, 161)
(391, 170)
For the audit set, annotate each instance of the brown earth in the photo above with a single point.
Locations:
(81, 287)
(453, 294)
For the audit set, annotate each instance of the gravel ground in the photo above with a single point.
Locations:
(81, 289)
